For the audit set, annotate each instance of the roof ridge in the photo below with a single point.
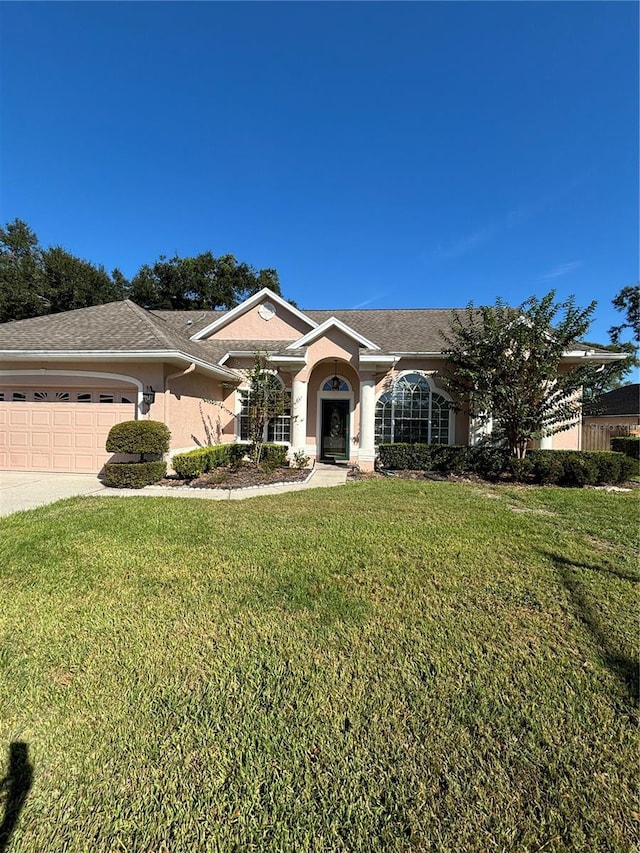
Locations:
(151, 321)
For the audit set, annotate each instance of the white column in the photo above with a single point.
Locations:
(546, 442)
(299, 414)
(479, 430)
(367, 451)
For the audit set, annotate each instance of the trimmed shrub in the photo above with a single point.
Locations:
(627, 444)
(200, 461)
(133, 475)
(579, 469)
(608, 466)
(489, 462)
(521, 469)
(628, 469)
(191, 464)
(141, 437)
(450, 458)
(274, 456)
(547, 466)
(405, 457)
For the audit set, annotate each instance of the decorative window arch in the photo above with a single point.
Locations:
(343, 385)
(279, 428)
(413, 411)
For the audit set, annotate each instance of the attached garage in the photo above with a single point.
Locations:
(60, 429)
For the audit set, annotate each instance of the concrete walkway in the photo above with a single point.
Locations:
(27, 490)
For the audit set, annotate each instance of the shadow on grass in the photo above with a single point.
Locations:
(621, 666)
(15, 787)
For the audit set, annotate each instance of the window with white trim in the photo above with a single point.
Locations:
(279, 428)
(412, 412)
(329, 384)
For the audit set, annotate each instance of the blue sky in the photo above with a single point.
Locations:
(376, 154)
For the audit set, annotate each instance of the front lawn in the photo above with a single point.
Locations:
(387, 666)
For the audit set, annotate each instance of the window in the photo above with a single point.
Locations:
(84, 397)
(342, 385)
(106, 398)
(18, 397)
(51, 396)
(279, 428)
(412, 412)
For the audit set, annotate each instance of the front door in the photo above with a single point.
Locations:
(334, 442)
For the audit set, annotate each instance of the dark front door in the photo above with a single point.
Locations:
(335, 429)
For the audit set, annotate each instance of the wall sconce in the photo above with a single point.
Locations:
(148, 396)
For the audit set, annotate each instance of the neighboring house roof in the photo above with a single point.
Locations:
(620, 401)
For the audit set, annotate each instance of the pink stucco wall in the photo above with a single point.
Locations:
(250, 326)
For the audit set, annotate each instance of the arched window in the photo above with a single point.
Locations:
(279, 427)
(412, 412)
(330, 384)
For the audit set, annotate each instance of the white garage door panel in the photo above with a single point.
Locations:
(64, 437)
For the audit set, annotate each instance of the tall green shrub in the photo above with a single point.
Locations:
(627, 444)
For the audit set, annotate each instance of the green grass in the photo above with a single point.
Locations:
(388, 666)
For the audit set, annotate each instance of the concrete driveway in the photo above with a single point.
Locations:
(28, 489)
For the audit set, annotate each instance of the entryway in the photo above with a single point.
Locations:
(334, 439)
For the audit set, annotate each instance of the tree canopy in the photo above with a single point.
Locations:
(200, 282)
(36, 281)
(504, 365)
(627, 302)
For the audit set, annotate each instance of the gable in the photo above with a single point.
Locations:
(266, 321)
(263, 308)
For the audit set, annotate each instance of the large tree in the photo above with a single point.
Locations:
(628, 302)
(203, 281)
(74, 283)
(23, 290)
(504, 364)
(36, 281)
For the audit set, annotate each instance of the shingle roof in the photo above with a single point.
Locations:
(125, 327)
(392, 329)
(114, 327)
(621, 401)
(119, 326)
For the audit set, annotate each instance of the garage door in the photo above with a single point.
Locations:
(43, 435)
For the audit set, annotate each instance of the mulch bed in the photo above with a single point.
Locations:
(239, 478)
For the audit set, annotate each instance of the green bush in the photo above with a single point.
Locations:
(579, 469)
(489, 462)
(200, 461)
(547, 467)
(405, 457)
(142, 437)
(628, 469)
(627, 444)
(191, 464)
(450, 458)
(274, 456)
(521, 470)
(133, 475)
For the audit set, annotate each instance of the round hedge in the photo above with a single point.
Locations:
(133, 475)
(139, 437)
